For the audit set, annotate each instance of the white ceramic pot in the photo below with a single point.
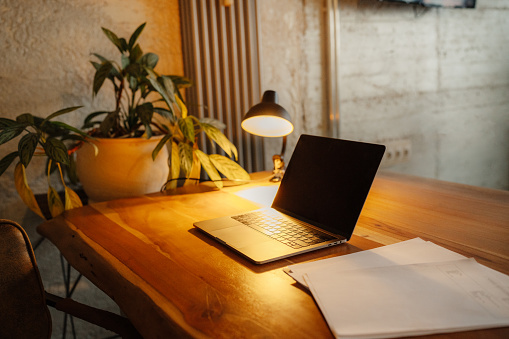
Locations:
(122, 168)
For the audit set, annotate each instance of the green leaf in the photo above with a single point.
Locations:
(58, 113)
(101, 58)
(166, 113)
(26, 147)
(62, 111)
(135, 54)
(124, 61)
(123, 43)
(26, 119)
(160, 145)
(114, 71)
(168, 85)
(56, 150)
(71, 128)
(180, 81)
(209, 168)
(187, 127)
(113, 38)
(133, 83)
(101, 75)
(96, 65)
(148, 131)
(159, 88)
(169, 88)
(134, 70)
(7, 161)
(9, 133)
(49, 127)
(136, 34)
(108, 123)
(89, 117)
(145, 113)
(186, 157)
(229, 168)
(4, 122)
(149, 60)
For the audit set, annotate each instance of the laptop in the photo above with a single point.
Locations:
(316, 205)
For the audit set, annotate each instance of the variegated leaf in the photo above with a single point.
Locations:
(175, 166)
(72, 199)
(182, 106)
(194, 175)
(24, 191)
(186, 126)
(216, 135)
(56, 150)
(26, 147)
(229, 168)
(186, 158)
(209, 168)
(55, 204)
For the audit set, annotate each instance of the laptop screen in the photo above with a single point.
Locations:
(327, 182)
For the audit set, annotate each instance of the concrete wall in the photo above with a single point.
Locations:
(292, 43)
(437, 78)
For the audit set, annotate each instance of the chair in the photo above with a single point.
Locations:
(24, 303)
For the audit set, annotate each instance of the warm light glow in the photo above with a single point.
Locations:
(267, 126)
(263, 195)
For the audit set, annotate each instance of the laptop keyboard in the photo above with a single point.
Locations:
(286, 231)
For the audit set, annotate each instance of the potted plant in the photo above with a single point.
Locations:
(42, 137)
(148, 108)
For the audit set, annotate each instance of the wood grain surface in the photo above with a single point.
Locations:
(173, 281)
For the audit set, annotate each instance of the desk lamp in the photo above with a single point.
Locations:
(268, 119)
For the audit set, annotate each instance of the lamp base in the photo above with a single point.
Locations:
(279, 168)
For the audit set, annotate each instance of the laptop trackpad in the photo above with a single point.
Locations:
(240, 236)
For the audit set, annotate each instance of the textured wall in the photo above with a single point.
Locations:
(46, 48)
(292, 65)
(438, 77)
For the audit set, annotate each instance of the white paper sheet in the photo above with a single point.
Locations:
(412, 251)
(395, 301)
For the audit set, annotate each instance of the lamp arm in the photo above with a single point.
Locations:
(284, 147)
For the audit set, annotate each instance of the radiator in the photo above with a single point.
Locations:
(220, 47)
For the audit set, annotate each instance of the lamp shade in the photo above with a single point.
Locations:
(268, 119)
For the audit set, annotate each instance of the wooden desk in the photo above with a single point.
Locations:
(170, 278)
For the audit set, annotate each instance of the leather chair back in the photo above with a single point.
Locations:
(23, 309)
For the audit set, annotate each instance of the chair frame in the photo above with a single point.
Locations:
(105, 319)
